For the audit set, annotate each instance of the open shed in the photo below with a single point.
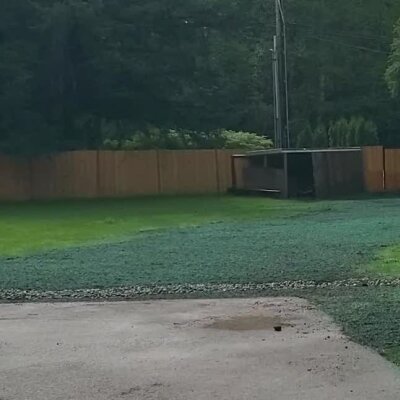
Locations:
(294, 173)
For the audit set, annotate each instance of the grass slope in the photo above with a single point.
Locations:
(236, 240)
(31, 227)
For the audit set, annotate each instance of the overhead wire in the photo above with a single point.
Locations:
(346, 34)
(363, 48)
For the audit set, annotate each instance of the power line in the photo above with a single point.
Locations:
(285, 72)
(280, 79)
(346, 34)
(348, 45)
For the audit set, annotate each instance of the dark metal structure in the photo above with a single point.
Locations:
(320, 173)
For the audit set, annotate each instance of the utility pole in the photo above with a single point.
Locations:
(276, 93)
(280, 80)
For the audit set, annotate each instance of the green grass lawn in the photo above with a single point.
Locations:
(31, 227)
(386, 262)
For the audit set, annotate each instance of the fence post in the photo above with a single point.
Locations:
(384, 169)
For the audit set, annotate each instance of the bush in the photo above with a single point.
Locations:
(245, 141)
(171, 139)
(320, 137)
(305, 138)
(356, 131)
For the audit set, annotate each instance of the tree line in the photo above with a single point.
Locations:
(81, 74)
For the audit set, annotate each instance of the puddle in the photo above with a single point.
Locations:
(247, 323)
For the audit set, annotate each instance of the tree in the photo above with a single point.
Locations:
(305, 137)
(320, 136)
(393, 70)
(74, 73)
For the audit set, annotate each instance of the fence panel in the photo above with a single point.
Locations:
(188, 171)
(338, 173)
(224, 169)
(106, 173)
(128, 173)
(374, 173)
(392, 170)
(15, 182)
(65, 175)
(239, 166)
(88, 174)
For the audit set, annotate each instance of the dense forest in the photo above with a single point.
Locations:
(86, 73)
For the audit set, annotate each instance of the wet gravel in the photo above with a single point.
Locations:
(156, 291)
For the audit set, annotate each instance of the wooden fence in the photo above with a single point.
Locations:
(381, 169)
(338, 173)
(92, 174)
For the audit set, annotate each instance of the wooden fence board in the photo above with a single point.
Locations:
(337, 173)
(239, 165)
(106, 174)
(84, 181)
(89, 174)
(224, 169)
(128, 173)
(188, 171)
(392, 170)
(15, 182)
(373, 161)
(65, 175)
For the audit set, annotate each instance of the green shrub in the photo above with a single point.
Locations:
(356, 131)
(171, 139)
(245, 141)
(338, 133)
(305, 138)
(320, 136)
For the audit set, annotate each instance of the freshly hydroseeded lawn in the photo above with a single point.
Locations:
(106, 244)
(370, 315)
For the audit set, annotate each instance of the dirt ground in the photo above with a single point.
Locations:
(185, 349)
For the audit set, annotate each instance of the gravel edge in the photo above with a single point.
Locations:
(178, 290)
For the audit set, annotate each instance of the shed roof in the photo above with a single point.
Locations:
(297, 151)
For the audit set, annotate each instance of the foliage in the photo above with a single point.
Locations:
(320, 136)
(69, 68)
(305, 138)
(338, 133)
(171, 139)
(356, 131)
(392, 74)
(244, 140)
(156, 138)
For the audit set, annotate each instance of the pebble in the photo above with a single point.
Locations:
(156, 290)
